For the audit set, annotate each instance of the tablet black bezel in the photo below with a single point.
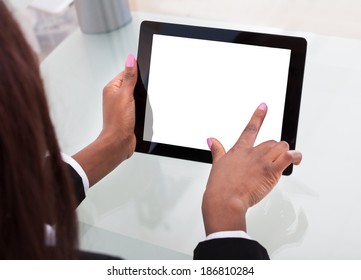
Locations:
(297, 45)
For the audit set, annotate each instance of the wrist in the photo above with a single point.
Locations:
(117, 146)
(102, 156)
(223, 214)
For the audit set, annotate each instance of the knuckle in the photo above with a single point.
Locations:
(251, 128)
(267, 169)
(274, 142)
(266, 146)
(287, 157)
(129, 75)
(270, 171)
(284, 145)
(270, 143)
(106, 92)
(106, 89)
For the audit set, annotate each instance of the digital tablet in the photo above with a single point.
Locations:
(198, 82)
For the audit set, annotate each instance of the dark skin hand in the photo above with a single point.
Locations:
(239, 178)
(242, 177)
(116, 142)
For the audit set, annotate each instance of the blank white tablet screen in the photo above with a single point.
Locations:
(199, 89)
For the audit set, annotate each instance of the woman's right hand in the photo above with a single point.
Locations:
(243, 176)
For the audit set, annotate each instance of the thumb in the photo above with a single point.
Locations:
(130, 72)
(216, 149)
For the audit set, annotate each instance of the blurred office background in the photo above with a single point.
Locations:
(48, 22)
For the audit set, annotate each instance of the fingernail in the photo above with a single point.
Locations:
(209, 142)
(262, 107)
(130, 61)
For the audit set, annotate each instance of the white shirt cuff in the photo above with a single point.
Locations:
(73, 163)
(50, 237)
(229, 234)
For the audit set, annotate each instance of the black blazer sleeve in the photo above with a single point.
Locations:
(77, 183)
(84, 255)
(230, 249)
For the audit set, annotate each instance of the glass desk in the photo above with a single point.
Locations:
(150, 207)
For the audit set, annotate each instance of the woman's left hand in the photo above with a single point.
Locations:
(119, 110)
(117, 141)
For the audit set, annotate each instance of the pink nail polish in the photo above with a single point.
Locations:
(262, 107)
(130, 61)
(209, 142)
